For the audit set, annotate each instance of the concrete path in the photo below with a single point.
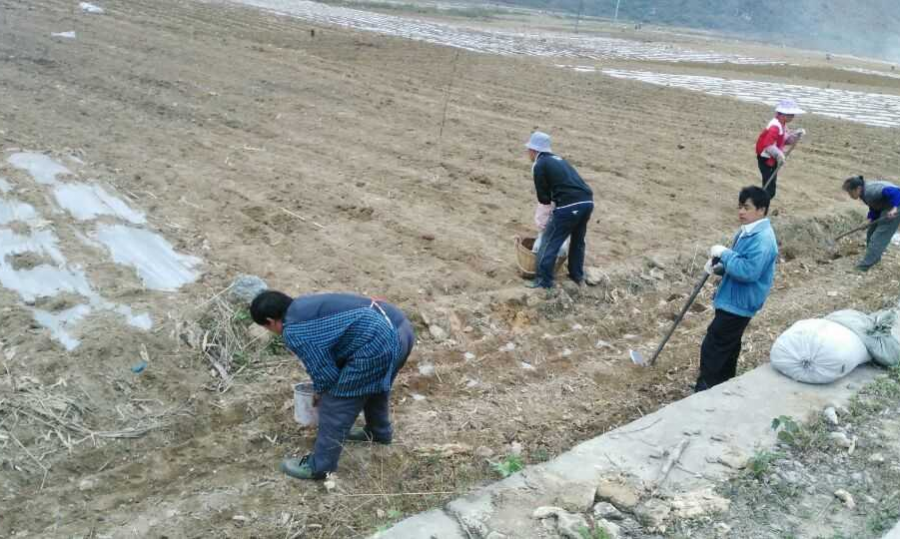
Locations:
(726, 424)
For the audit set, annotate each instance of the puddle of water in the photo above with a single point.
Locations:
(156, 262)
(881, 110)
(42, 168)
(87, 201)
(494, 42)
(14, 210)
(5, 186)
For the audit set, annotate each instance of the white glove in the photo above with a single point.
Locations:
(713, 269)
(795, 136)
(716, 251)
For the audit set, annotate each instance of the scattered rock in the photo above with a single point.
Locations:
(657, 274)
(624, 497)
(790, 476)
(577, 498)
(734, 458)
(426, 369)
(437, 332)
(722, 529)
(612, 530)
(655, 262)
(608, 511)
(603, 344)
(568, 525)
(508, 347)
(417, 397)
(845, 497)
(469, 356)
(595, 276)
(698, 503)
(840, 439)
(484, 452)
(245, 288)
(87, 483)
(830, 415)
(653, 513)
(876, 458)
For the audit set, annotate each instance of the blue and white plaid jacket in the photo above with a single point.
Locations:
(349, 347)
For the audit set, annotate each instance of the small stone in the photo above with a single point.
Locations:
(624, 497)
(612, 530)
(735, 459)
(515, 449)
(840, 439)
(595, 276)
(722, 529)
(603, 344)
(830, 415)
(653, 513)
(576, 498)
(484, 452)
(608, 511)
(508, 347)
(469, 356)
(568, 525)
(790, 477)
(527, 366)
(87, 484)
(239, 518)
(876, 458)
(655, 262)
(845, 497)
(437, 332)
(657, 274)
(426, 370)
(566, 353)
(245, 288)
(698, 503)
(380, 513)
(417, 397)
(832, 294)
(428, 237)
(858, 477)
(577, 327)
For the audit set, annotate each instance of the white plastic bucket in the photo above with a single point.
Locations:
(305, 413)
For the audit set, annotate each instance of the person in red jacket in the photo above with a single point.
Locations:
(771, 142)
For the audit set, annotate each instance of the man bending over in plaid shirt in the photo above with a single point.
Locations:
(352, 348)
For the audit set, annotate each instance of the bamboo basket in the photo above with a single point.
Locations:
(527, 261)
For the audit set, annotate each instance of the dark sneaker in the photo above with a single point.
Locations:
(300, 469)
(359, 434)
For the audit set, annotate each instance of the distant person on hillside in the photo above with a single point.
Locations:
(556, 181)
(748, 270)
(771, 142)
(352, 347)
(878, 195)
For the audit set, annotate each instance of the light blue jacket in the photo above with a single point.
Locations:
(749, 271)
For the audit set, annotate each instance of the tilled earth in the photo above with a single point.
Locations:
(350, 161)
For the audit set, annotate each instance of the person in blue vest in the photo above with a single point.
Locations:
(882, 198)
(556, 181)
(747, 270)
(352, 347)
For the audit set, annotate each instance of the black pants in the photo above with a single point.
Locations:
(720, 349)
(767, 171)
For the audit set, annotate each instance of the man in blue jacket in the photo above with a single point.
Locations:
(352, 348)
(747, 269)
(555, 180)
(882, 198)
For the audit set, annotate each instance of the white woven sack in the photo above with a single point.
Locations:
(817, 351)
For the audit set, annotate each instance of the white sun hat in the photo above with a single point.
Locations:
(539, 142)
(788, 106)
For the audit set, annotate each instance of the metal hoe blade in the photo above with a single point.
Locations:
(637, 358)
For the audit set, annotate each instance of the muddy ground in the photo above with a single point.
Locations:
(405, 165)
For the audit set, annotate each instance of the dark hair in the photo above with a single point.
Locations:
(758, 195)
(852, 183)
(269, 304)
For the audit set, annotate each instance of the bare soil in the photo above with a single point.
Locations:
(405, 162)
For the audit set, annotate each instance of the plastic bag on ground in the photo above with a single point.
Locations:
(880, 333)
(817, 351)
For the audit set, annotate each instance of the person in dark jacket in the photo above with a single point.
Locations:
(882, 198)
(352, 347)
(748, 271)
(555, 180)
